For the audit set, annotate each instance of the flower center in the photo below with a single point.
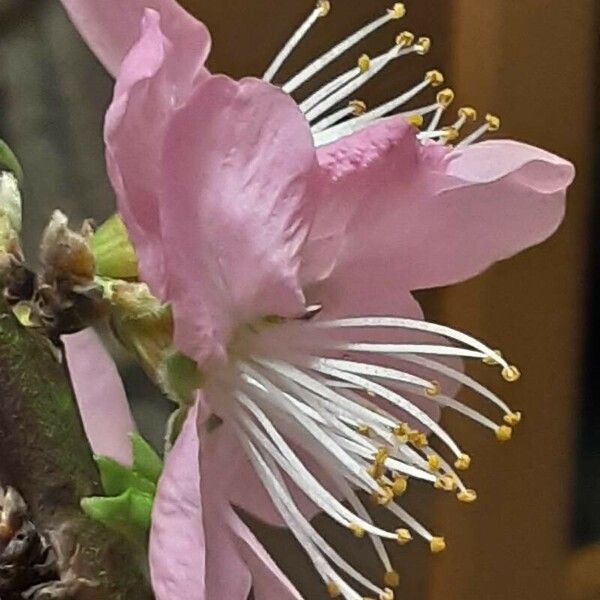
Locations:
(362, 409)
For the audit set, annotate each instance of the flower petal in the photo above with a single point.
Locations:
(437, 216)
(100, 396)
(111, 28)
(152, 83)
(268, 581)
(177, 543)
(227, 574)
(238, 163)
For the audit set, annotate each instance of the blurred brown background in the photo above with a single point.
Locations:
(535, 62)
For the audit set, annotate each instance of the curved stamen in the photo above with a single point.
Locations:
(413, 324)
(377, 65)
(393, 398)
(320, 63)
(321, 10)
(461, 378)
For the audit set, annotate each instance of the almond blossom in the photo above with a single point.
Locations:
(287, 232)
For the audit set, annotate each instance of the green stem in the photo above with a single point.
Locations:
(45, 455)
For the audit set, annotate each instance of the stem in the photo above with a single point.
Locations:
(44, 454)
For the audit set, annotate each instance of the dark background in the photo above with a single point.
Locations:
(533, 534)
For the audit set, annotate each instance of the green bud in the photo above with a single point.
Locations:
(130, 492)
(9, 162)
(117, 479)
(114, 254)
(130, 513)
(179, 377)
(145, 460)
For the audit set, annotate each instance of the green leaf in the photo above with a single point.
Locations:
(9, 162)
(117, 479)
(129, 513)
(145, 460)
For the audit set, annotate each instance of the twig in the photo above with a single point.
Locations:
(45, 456)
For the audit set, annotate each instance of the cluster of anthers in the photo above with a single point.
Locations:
(328, 126)
(335, 399)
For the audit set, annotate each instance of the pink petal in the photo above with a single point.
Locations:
(100, 395)
(268, 581)
(152, 83)
(238, 162)
(111, 28)
(227, 574)
(434, 216)
(177, 543)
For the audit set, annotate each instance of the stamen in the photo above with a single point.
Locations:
(402, 535)
(317, 548)
(401, 323)
(357, 505)
(432, 78)
(355, 107)
(444, 99)
(321, 10)
(377, 65)
(392, 397)
(397, 12)
(492, 124)
(406, 349)
(363, 65)
(461, 378)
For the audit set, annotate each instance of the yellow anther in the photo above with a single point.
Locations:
(401, 430)
(364, 63)
(437, 545)
(415, 120)
(418, 440)
(488, 360)
(450, 134)
(445, 98)
(446, 483)
(405, 39)
(513, 419)
(468, 112)
(375, 471)
(493, 122)
(400, 485)
(397, 11)
(333, 590)
(386, 594)
(434, 462)
(357, 530)
(463, 462)
(434, 77)
(364, 430)
(386, 496)
(433, 389)
(423, 46)
(371, 394)
(358, 107)
(381, 456)
(511, 374)
(324, 7)
(467, 496)
(504, 433)
(403, 536)
(391, 579)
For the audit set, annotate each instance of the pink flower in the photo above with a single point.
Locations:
(288, 238)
